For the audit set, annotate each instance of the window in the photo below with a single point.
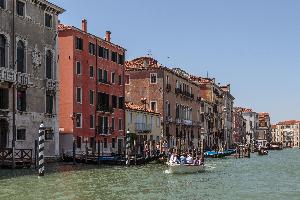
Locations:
(20, 8)
(91, 97)
(49, 103)
(113, 123)
(102, 101)
(2, 50)
(105, 143)
(78, 142)
(21, 134)
(113, 143)
(121, 59)
(3, 98)
(167, 79)
(79, 43)
(78, 120)
(100, 51)
(100, 72)
(121, 102)
(92, 49)
(153, 78)
(92, 141)
(78, 68)
(48, 20)
(114, 56)
(78, 95)
(105, 80)
(120, 80)
(2, 4)
(120, 125)
(153, 105)
(114, 101)
(131, 117)
(92, 119)
(113, 77)
(21, 100)
(21, 56)
(49, 134)
(91, 72)
(127, 78)
(49, 59)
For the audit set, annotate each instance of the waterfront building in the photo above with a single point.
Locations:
(264, 129)
(169, 92)
(252, 123)
(92, 105)
(288, 133)
(212, 93)
(227, 117)
(275, 134)
(28, 74)
(144, 126)
(239, 126)
(207, 122)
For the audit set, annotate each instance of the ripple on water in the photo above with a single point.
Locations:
(270, 177)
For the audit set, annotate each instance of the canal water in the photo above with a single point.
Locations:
(276, 176)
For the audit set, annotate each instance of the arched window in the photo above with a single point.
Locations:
(2, 50)
(21, 57)
(49, 58)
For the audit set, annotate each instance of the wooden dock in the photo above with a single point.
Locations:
(23, 158)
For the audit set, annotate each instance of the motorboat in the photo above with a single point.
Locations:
(262, 152)
(175, 168)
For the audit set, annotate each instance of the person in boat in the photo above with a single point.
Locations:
(189, 159)
(183, 159)
(197, 161)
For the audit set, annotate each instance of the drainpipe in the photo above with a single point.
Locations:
(14, 89)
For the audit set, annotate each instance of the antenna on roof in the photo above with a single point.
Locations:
(206, 74)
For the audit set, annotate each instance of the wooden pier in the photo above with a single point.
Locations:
(23, 158)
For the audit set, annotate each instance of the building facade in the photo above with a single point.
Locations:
(239, 126)
(169, 92)
(264, 127)
(92, 90)
(145, 127)
(288, 133)
(252, 123)
(28, 74)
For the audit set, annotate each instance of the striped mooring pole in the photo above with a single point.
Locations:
(127, 146)
(41, 149)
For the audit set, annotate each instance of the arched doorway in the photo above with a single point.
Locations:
(3, 133)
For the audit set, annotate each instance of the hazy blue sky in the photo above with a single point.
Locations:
(254, 45)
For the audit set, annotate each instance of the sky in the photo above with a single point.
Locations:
(253, 45)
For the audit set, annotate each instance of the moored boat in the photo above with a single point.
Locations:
(175, 168)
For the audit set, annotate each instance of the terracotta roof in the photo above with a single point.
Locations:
(63, 27)
(244, 110)
(289, 122)
(142, 62)
(273, 126)
(132, 106)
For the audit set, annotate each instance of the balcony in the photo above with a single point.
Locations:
(104, 81)
(51, 85)
(105, 131)
(23, 79)
(187, 122)
(143, 128)
(7, 75)
(178, 121)
(168, 87)
(169, 119)
(105, 108)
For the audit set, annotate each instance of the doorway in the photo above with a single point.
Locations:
(3, 133)
(120, 146)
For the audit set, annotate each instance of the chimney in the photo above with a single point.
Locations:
(84, 25)
(107, 36)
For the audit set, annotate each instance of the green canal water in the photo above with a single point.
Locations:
(276, 176)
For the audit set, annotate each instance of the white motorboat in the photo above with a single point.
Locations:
(175, 168)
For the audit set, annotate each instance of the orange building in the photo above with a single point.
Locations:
(92, 90)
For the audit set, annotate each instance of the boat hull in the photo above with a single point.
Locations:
(185, 169)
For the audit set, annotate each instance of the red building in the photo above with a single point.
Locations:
(91, 90)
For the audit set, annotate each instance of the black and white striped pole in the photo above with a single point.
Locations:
(127, 146)
(41, 149)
